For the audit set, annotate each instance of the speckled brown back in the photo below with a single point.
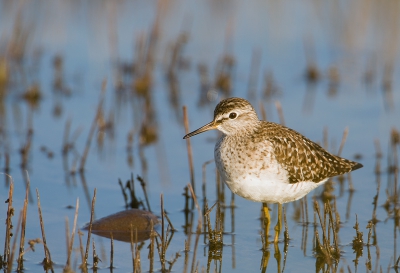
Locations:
(303, 159)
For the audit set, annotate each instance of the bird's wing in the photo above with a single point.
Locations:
(305, 160)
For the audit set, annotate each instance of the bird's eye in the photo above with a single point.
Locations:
(232, 115)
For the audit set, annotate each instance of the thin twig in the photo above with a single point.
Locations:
(10, 213)
(333, 227)
(80, 234)
(143, 184)
(132, 248)
(198, 230)
(95, 257)
(137, 256)
(23, 226)
(198, 208)
(71, 240)
(112, 252)
(151, 246)
(14, 245)
(47, 261)
(162, 232)
(90, 229)
(189, 146)
(169, 222)
(210, 209)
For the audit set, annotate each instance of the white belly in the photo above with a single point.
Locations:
(255, 174)
(270, 191)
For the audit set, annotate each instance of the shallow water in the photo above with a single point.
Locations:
(96, 42)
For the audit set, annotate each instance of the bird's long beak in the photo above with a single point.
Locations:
(209, 126)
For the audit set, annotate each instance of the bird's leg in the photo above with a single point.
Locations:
(267, 222)
(278, 226)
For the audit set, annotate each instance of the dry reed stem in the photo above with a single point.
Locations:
(7, 168)
(10, 213)
(71, 239)
(188, 146)
(135, 252)
(198, 229)
(137, 257)
(14, 245)
(219, 228)
(333, 227)
(151, 247)
(378, 180)
(67, 233)
(93, 127)
(123, 192)
(208, 210)
(47, 260)
(23, 226)
(194, 269)
(143, 184)
(112, 252)
(90, 229)
(95, 257)
(132, 249)
(324, 239)
(326, 226)
(188, 240)
(84, 268)
(162, 231)
(199, 223)
(195, 250)
(207, 225)
(211, 237)
(169, 222)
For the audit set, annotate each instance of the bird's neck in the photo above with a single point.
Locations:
(246, 130)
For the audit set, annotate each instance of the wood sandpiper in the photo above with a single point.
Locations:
(268, 162)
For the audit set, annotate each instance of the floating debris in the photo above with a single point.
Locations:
(122, 224)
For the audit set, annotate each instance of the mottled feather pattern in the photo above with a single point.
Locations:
(303, 159)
